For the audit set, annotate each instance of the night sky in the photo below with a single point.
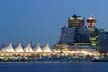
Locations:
(40, 21)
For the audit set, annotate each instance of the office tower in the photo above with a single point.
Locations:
(81, 35)
(93, 31)
(103, 42)
(75, 21)
(67, 35)
(76, 32)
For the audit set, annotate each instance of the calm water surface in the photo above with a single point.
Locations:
(53, 67)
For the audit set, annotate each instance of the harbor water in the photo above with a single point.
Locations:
(55, 67)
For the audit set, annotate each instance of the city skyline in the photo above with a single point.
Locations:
(40, 21)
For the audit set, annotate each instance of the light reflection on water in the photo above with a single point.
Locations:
(54, 67)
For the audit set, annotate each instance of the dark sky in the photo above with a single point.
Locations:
(40, 20)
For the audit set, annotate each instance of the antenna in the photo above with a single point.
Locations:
(91, 14)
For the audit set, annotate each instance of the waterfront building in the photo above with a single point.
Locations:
(37, 48)
(81, 35)
(46, 48)
(67, 35)
(28, 48)
(81, 46)
(75, 39)
(76, 32)
(75, 21)
(19, 48)
(103, 41)
(93, 32)
(8, 48)
(61, 47)
(9, 51)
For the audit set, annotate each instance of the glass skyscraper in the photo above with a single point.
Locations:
(76, 32)
(103, 41)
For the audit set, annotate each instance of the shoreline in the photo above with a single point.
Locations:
(47, 62)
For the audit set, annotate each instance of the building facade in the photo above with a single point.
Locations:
(75, 21)
(78, 36)
(81, 35)
(67, 35)
(93, 32)
(103, 41)
(76, 32)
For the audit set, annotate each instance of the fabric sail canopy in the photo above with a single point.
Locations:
(19, 48)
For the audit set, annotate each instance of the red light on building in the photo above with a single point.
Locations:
(81, 24)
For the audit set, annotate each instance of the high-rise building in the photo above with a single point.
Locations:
(77, 35)
(67, 35)
(76, 32)
(75, 21)
(81, 35)
(91, 22)
(93, 32)
(103, 41)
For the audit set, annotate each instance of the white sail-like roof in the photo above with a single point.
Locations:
(28, 48)
(8, 48)
(46, 48)
(19, 48)
(37, 48)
